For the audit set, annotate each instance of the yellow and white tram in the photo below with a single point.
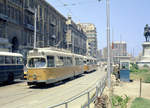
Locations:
(90, 64)
(47, 65)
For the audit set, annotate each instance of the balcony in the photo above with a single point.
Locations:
(29, 9)
(29, 26)
(12, 21)
(4, 41)
(3, 17)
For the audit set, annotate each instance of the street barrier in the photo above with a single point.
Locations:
(98, 90)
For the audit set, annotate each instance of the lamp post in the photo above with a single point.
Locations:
(108, 42)
(35, 14)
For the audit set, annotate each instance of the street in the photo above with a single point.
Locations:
(19, 95)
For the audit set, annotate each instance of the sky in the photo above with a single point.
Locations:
(127, 19)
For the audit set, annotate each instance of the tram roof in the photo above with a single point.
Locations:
(53, 51)
(10, 54)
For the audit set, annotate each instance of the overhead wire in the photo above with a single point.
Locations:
(67, 5)
(70, 11)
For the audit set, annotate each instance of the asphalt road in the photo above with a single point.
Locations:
(19, 95)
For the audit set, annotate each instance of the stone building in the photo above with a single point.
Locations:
(17, 25)
(76, 38)
(91, 33)
(119, 50)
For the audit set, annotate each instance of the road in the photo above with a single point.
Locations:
(19, 95)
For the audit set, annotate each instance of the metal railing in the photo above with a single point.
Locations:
(100, 85)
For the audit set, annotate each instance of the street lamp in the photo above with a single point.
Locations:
(108, 41)
(35, 15)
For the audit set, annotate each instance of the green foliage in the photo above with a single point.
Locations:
(134, 68)
(137, 73)
(147, 78)
(119, 101)
(140, 103)
(146, 66)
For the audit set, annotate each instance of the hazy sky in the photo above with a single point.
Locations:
(128, 18)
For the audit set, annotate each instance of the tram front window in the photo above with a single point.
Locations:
(37, 62)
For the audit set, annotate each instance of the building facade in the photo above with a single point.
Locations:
(91, 33)
(119, 50)
(76, 38)
(99, 55)
(17, 25)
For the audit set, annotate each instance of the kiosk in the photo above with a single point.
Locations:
(125, 70)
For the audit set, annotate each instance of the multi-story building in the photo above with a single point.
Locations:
(76, 38)
(119, 50)
(91, 33)
(99, 55)
(17, 25)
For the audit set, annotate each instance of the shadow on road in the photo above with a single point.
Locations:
(11, 83)
(47, 86)
(90, 72)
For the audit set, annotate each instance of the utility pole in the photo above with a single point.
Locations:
(108, 42)
(35, 14)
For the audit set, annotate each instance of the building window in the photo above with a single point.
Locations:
(31, 3)
(2, 9)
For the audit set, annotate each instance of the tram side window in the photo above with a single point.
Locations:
(19, 60)
(2, 59)
(84, 61)
(60, 61)
(81, 61)
(50, 61)
(88, 62)
(95, 62)
(77, 61)
(8, 60)
(91, 62)
(69, 61)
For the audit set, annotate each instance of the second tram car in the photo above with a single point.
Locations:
(11, 66)
(90, 64)
(47, 65)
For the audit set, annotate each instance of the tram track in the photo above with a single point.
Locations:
(22, 96)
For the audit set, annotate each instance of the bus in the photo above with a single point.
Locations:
(11, 66)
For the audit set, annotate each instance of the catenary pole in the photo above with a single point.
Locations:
(108, 42)
(35, 28)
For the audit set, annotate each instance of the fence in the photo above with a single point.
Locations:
(99, 87)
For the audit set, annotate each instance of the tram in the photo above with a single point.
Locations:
(49, 65)
(90, 64)
(11, 66)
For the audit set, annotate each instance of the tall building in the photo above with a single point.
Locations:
(119, 50)
(17, 25)
(91, 33)
(99, 55)
(75, 37)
